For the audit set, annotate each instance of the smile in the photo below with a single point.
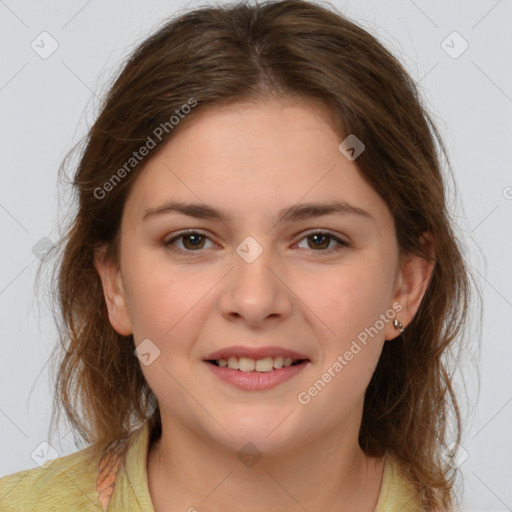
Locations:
(256, 375)
(246, 364)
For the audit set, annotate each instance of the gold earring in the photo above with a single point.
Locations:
(398, 325)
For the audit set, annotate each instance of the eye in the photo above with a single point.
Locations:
(321, 240)
(192, 241)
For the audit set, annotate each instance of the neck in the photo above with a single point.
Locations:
(186, 470)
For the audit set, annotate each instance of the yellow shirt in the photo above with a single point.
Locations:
(71, 484)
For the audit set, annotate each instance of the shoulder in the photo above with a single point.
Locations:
(398, 492)
(66, 483)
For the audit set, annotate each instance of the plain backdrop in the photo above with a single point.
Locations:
(459, 53)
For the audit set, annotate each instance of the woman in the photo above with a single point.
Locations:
(261, 281)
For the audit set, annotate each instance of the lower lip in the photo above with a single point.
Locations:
(256, 381)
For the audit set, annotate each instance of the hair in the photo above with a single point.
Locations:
(241, 52)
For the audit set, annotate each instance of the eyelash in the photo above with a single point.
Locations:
(342, 244)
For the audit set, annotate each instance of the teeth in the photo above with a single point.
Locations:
(278, 362)
(245, 364)
(265, 365)
(233, 363)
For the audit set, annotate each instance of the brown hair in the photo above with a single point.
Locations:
(218, 54)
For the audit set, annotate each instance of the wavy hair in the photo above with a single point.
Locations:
(237, 52)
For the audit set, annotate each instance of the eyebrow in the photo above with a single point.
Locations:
(294, 213)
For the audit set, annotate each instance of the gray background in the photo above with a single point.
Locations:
(47, 104)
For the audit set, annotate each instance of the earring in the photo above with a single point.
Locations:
(398, 325)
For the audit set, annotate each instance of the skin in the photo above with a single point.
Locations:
(252, 160)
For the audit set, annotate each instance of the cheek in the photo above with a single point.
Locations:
(347, 307)
(162, 298)
(168, 306)
(346, 300)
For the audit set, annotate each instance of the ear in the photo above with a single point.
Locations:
(412, 281)
(113, 289)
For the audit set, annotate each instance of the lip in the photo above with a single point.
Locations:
(253, 353)
(256, 381)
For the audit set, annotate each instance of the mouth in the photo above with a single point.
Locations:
(252, 369)
(256, 369)
(262, 365)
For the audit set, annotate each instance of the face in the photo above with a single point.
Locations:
(321, 285)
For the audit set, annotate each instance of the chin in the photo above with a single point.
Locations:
(265, 430)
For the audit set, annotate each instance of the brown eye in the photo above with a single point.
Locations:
(192, 241)
(320, 241)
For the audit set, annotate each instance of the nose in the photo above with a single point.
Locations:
(256, 290)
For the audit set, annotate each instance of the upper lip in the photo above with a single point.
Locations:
(253, 353)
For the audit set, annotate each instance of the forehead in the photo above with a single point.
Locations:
(250, 156)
